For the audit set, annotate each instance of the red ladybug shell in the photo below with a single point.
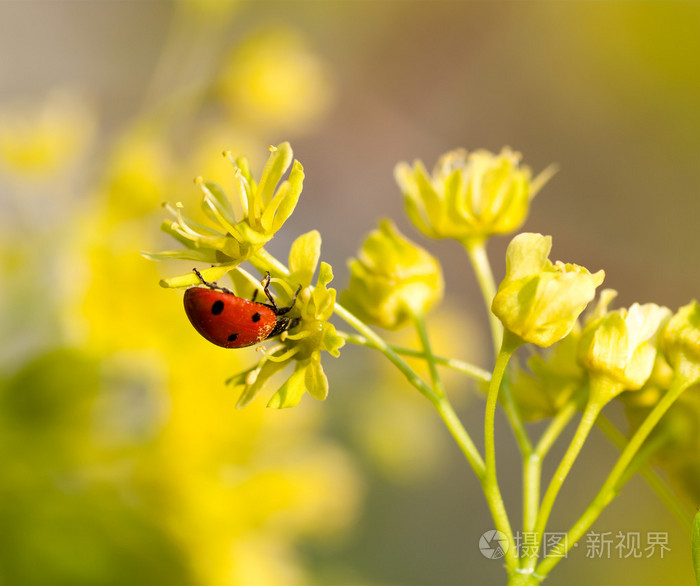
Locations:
(227, 320)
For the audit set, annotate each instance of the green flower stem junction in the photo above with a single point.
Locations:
(611, 485)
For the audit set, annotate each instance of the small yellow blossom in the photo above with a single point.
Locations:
(469, 197)
(392, 279)
(239, 227)
(313, 334)
(537, 300)
(622, 344)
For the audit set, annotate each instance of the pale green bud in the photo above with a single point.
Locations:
(622, 345)
(537, 300)
(469, 197)
(392, 279)
(681, 340)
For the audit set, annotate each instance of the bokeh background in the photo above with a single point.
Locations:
(122, 458)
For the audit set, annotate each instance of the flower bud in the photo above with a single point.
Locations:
(622, 345)
(469, 196)
(537, 300)
(392, 279)
(681, 340)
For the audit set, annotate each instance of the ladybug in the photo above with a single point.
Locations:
(232, 322)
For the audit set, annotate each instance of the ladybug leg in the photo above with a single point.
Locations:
(284, 310)
(266, 289)
(211, 285)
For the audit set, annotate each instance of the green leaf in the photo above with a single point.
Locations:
(696, 547)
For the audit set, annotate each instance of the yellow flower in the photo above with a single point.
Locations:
(392, 279)
(313, 334)
(273, 80)
(621, 346)
(469, 197)
(240, 227)
(40, 140)
(537, 300)
(681, 341)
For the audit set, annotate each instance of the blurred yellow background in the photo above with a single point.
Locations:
(123, 460)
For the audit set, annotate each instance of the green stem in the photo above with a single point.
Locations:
(556, 427)
(378, 343)
(461, 436)
(590, 413)
(419, 322)
(532, 476)
(264, 261)
(657, 484)
(490, 482)
(472, 371)
(532, 472)
(482, 269)
(523, 578)
(641, 458)
(609, 489)
(476, 250)
(441, 404)
(515, 419)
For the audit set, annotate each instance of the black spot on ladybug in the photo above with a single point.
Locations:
(232, 337)
(256, 316)
(217, 307)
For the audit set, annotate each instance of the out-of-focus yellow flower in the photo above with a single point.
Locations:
(469, 197)
(39, 140)
(537, 300)
(392, 279)
(138, 172)
(273, 80)
(681, 341)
